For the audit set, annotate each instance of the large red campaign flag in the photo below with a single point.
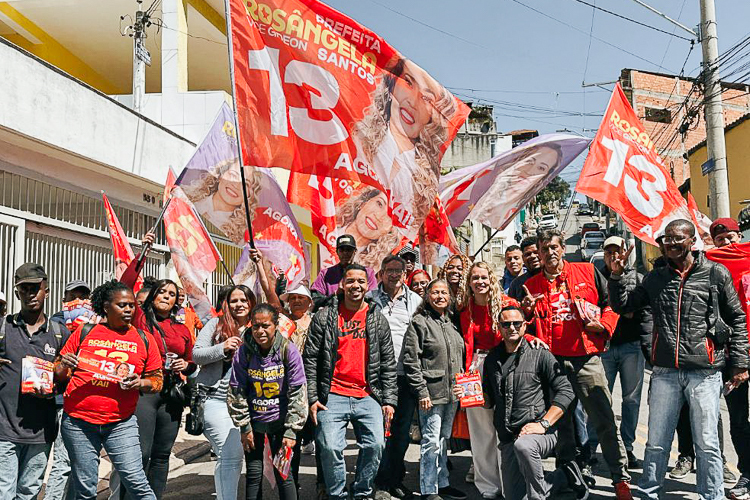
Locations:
(318, 93)
(624, 172)
(121, 249)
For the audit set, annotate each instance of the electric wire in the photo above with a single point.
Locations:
(633, 20)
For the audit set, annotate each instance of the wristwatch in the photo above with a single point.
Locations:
(545, 423)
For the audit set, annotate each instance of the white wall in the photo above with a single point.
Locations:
(53, 108)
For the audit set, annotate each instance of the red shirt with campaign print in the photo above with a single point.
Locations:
(98, 401)
(349, 373)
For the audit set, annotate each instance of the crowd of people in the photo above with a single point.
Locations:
(545, 339)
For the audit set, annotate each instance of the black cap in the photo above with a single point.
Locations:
(72, 285)
(346, 240)
(29, 273)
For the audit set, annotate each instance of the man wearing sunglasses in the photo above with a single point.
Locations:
(529, 393)
(697, 315)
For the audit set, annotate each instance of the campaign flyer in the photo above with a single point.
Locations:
(104, 368)
(283, 461)
(472, 384)
(36, 374)
(588, 311)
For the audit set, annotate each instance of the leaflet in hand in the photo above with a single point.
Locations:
(36, 375)
(472, 384)
(588, 311)
(104, 368)
(283, 461)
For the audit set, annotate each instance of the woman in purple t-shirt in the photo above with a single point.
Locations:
(267, 397)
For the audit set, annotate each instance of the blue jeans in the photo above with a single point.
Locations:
(120, 440)
(22, 469)
(627, 361)
(436, 424)
(669, 389)
(225, 441)
(392, 468)
(58, 487)
(366, 415)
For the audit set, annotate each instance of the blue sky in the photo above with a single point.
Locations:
(503, 53)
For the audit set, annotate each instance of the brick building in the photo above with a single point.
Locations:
(658, 99)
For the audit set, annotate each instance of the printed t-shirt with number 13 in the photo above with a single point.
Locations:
(99, 401)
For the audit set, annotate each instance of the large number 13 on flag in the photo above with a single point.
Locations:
(624, 172)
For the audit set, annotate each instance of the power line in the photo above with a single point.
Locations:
(583, 32)
(633, 20)
(502, 91)
(669, 42)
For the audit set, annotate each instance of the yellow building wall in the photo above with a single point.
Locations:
(738, 170)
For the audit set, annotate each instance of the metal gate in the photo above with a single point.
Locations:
(12, 232)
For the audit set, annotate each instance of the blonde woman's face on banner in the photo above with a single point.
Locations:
(413, 98)
(372, 219)
(230, 186)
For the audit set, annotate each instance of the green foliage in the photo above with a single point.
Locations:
(556, 191)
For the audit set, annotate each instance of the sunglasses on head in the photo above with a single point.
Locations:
(507, 324)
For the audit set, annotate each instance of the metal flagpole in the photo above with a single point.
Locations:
(228, 15)
(484, 244)
(147, 248)
(224, 265)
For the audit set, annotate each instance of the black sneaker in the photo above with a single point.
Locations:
(576, 482)
(451, 493)
(588, 476)
(400, 491)
(681, 469)
(729, 476)
(633, 462)
(741, 490)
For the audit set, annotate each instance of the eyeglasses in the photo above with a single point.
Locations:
(671, 240)
(507, 324)
(394, 272)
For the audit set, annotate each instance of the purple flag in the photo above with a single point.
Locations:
(494, 191)
(212, 181)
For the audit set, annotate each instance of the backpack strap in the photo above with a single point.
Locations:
(84, 333)
(144, 338)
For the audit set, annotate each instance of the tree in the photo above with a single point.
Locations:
(556, 191)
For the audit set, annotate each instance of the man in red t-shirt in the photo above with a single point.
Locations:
(556, 302)
(351, 377)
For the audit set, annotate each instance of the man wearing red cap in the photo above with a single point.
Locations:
(736, 257)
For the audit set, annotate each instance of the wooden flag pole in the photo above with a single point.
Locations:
(147, 248)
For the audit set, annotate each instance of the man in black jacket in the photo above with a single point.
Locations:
(351, 377)
(529, 393)
(530, 256)
(696, 313)
(624, 357)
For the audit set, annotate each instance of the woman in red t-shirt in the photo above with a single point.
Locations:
(159, 415)
(481, 302)
(98, 412)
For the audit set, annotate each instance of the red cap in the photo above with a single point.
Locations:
(723, 225)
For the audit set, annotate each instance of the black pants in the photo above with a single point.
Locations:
(392, 467)
(685, 434)
(254, 463)
(157, 429)
(739, 426)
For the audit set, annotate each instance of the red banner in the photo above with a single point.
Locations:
(436, 230)
(624, 172)
(120, 244)
(319, 93)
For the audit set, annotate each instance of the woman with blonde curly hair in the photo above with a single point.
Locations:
(403, 132)
(365, 216)
(479, 305)
(218, 197)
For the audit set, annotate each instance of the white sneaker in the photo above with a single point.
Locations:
(309, 449)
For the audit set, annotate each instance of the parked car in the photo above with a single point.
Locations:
(549, 221)
(589, 226)
(592, 236)
(598, 260)
(591, 248)
(584, 209)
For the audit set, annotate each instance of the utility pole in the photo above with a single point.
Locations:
(141, 56)
(718, 182)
